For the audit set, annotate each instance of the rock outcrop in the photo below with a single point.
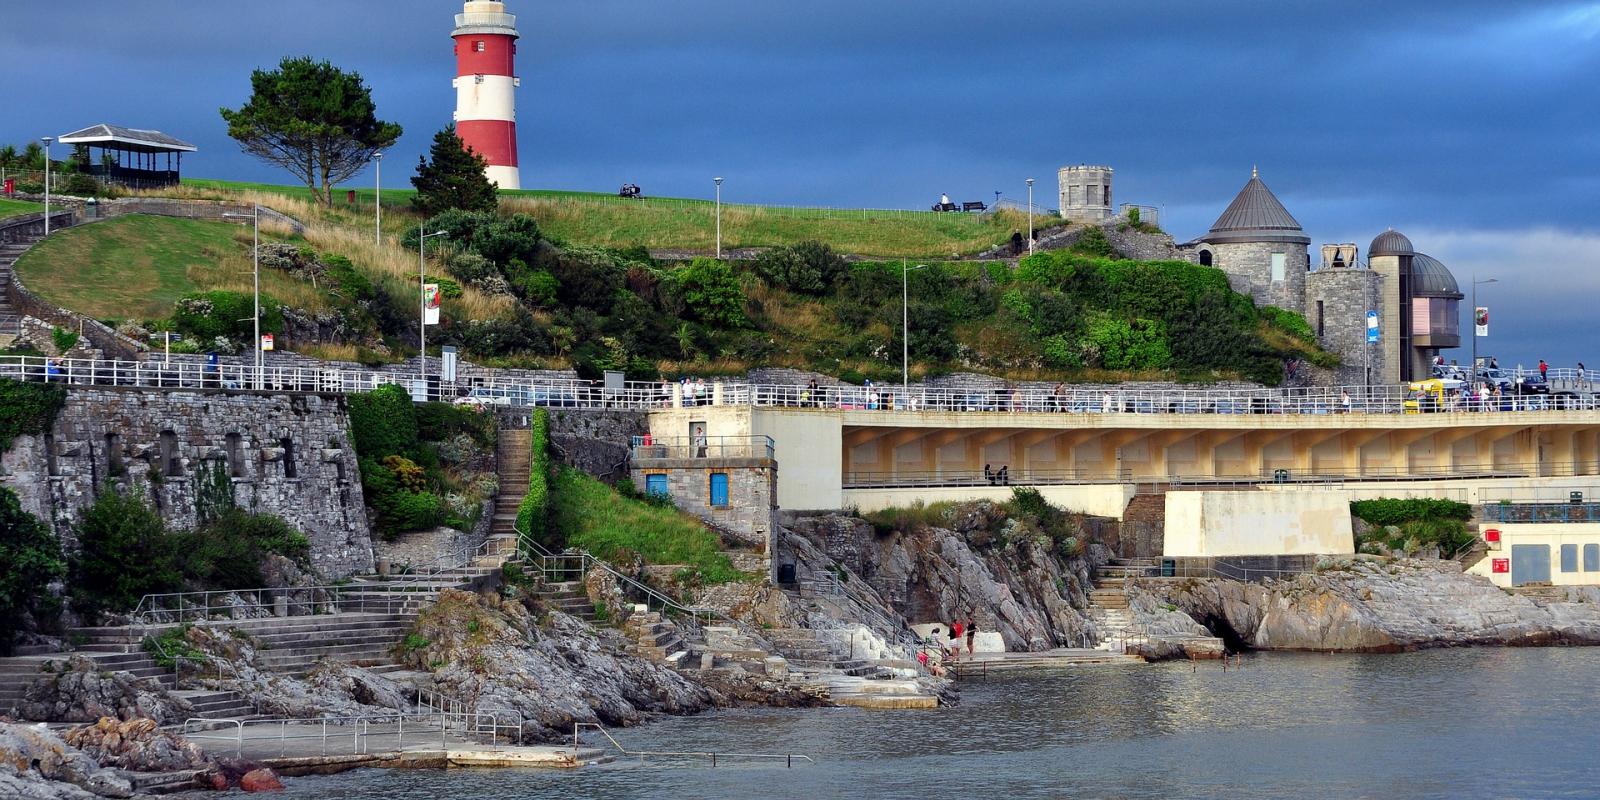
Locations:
(331, 688)
(494, 656)
(1371, 604)
(35, 764)
(137, 745)
(975, 564)
(82, 692)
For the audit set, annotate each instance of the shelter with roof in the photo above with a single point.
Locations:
(1265, 253)
(131, 157)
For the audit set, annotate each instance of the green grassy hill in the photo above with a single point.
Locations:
(135, 267)
(603, 220)
(12, 208)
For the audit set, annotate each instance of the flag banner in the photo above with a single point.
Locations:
(1480, 321)
(430, 303)
(1372, 327)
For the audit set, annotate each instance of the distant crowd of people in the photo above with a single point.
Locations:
(947, 642)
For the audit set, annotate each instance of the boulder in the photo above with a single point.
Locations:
(260, 780)
(79, 691)
(136, 745)
(36, 763)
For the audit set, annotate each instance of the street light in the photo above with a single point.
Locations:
(905, 325)
(377, 161)
(47, 140)
(1030, 216)
(1475, 283)
(255, 217)
(719, 216)
(422, 303)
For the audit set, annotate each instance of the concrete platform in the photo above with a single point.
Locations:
(982, 664)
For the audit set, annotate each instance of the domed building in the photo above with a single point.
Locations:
(1264, 252)
(1422, 299)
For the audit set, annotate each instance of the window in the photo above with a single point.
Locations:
(1321, 326)
(289, 469)
(1591, 558)
(1205, 258)
(1280, 263)
(477, 47)
(719, 489)
(114, 454)
(171, 462)
(235, 456)
(1569, 558)
(1107, 189)
(656, 486)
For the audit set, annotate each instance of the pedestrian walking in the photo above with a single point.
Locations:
(1582, 383)
(972, 636)
(1544, 370)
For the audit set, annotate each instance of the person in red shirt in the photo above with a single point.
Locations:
(1544, 370)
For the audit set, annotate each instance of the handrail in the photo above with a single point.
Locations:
(485, 387)
(788, 758)
(468, 723)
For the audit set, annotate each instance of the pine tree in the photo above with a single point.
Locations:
(454, 179)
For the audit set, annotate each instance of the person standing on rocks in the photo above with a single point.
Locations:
(972, 636)
(955, 640)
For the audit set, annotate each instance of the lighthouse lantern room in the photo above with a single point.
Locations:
(486, 83)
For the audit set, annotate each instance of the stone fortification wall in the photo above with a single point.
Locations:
(1345, 296)
(597, 442)
(286, 455)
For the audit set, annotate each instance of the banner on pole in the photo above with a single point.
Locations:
(266, 341)
(1480, 321)
(430, 304)
(1372, 327)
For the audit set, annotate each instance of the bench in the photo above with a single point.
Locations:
(974, 206)
(945, 207)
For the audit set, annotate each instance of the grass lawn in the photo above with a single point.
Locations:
(595, 517)
(604, 220)
(137, 266)
(12, 208)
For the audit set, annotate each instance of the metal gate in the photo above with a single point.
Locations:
(1530, 563)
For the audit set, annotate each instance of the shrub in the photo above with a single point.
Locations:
(709, 292)
(1289, 322)
(32, 557)
(383, 422)
(1093, 242)
(27, 409)
(64, 340)
(809, 267)
(534, 510)
(1398, 511)
(407, 474)
(444, 421)
(124, 553)
(204, 316)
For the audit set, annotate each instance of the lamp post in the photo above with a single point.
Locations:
(377, 161)
(1475, 283)
(719, 215)
(255, 217)
(47, 140)
(422, 303)
(1030, 216)
(905, 325)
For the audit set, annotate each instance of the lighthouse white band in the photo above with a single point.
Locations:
(506, 177)
(486, 97)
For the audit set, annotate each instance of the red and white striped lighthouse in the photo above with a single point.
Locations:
(486, 83)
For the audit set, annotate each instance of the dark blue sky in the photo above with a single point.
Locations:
(1469, 124)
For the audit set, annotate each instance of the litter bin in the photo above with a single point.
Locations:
(1169, 568)
(1280, 476)
(1575, 498)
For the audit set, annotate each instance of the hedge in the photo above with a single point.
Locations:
(27, 409)
(1397, 511)
(535, 509)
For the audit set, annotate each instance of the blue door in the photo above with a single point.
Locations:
(1591, 558)
(656, 485)
(719, 489)
(1569, 558)
(1530, 563)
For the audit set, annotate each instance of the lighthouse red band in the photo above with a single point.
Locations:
(486, 83)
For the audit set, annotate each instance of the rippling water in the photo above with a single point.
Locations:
(1441, 724)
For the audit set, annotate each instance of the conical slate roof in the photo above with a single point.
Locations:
(1256, 215)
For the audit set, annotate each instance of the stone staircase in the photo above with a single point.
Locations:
(1108, 605)
(659, 639)
(568, 598)
(10, 315)
(809, 655)
(514, 459)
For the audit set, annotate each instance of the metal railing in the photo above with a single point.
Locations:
(354, 735)
(648, 447)
(705, 755)
(1541, 512)
(507, 389)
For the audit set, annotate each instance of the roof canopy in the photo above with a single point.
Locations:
(113, 137)
(1430, 278)
(1256, 215)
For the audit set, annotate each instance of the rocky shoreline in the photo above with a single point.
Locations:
(1370, 604)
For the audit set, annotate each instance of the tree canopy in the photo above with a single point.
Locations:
(313, 119)
(453, 179)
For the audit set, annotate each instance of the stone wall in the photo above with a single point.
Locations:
(1248, 266)
(751, 515)
(1345, 296)
(596, 441)
(27, 226)
(289, 455)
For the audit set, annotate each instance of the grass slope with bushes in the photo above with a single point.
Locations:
(1408, 524)
(15, 208)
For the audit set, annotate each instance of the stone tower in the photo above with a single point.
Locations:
(1339, 293)
(1260, 246)
(1423, 301)
(1085, 193)
(486, 85)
